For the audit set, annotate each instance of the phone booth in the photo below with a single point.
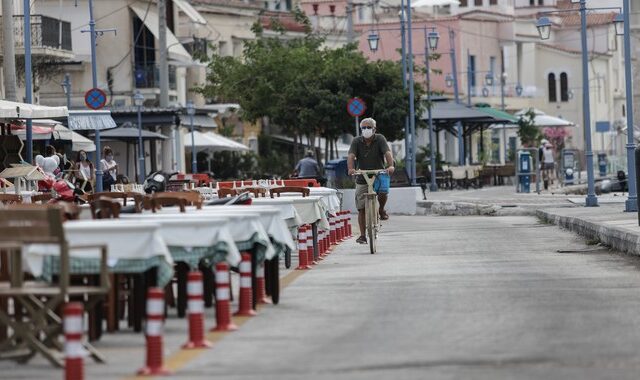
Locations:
(602, 164)
(568, 166)
(524, 169)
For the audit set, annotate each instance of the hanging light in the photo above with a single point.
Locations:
(488, 79)
(138, 99)
(373, 41)
(544, 27)
(618, 22)
(448, 80)
(519, 89)
(433, 38)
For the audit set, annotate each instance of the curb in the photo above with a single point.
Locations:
(617, 238)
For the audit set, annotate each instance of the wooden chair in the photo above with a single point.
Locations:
(39, 331)
(112, 195)
(158, 201)
(257, 191)
(223, 193)
(41, 198)
(8, 199)
(105, 208)
(290, 189)
(193, 198)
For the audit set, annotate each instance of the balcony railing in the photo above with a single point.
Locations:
(46, 32)
(148, 76)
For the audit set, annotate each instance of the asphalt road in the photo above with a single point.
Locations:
(447, 298)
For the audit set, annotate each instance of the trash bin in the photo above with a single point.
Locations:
(336, 172)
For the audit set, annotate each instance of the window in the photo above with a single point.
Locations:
(532, 2)
(477, 3)
(492, 66)
(540, 2)
(463, 3)
(361, 13)
(493, 2)
(472, 70)
(551, 79)
(564, 87)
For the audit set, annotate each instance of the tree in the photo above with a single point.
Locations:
(527, 130)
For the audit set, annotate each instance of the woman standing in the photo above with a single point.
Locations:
(109, 168)
(85, 173)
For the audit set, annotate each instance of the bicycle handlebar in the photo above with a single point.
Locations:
(370, 172)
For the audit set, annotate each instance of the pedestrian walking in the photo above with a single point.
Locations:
(308, 166)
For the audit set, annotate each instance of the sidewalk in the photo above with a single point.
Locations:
(607, 224)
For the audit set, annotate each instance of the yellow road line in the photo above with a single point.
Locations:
(181, 358)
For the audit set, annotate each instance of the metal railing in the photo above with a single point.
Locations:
(148, 76)
(45, 32)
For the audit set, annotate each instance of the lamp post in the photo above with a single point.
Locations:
(631, 204)
(412, 111)
(66, 88)
(138, 100)
(191, 110)
(544, 29)
(430, 43)
(503, 81)
(28, 75)
(407, 132)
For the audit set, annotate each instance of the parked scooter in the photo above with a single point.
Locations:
(157, 182)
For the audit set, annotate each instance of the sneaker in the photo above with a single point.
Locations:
(383, 215)
(361, 240)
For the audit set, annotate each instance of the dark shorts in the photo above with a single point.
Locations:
(548, 166)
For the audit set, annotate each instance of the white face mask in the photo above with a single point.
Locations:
(367, 133)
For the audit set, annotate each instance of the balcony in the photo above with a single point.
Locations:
(49, 36)
(148, 76)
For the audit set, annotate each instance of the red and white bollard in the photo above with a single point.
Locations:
(302, 249)
(154, 329)
(345, 218)
(245, 308)
(348, 215)
(310, 252)
(261, 286)
(321, 252)
(74, 352)
(332, 231)
(223, 299)
(195, 309)
(340, 226)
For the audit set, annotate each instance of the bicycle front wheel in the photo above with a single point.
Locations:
(371, 223)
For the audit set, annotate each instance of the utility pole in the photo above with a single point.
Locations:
(28, 76)
(456, 94)
(350, 36)
(164, 66)
(412, 112)
(503, 80)
(407, 132)
(9, 58)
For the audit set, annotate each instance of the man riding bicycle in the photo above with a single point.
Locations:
(369, 151)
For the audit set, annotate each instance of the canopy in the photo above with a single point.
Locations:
(86, 120)
(148, 13)
(190, 11)
(15, 110)
(130, 133)
(431, 3)
(212, 142)
(541, 119)
(47, 129)
(493, 112)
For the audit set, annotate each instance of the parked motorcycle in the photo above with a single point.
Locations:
(157, 182)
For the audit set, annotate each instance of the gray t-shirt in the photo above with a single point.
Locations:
(369, 156)
(308, 167)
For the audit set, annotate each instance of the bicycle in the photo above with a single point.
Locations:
(372, 215)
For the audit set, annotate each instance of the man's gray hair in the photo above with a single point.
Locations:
(368, 121)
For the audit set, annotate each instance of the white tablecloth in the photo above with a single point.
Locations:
(124, 240)
(328, 195)
(311, 209)
(193, 232)
(244, 227)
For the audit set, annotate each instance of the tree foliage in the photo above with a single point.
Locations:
(303, 88)
(527, 130)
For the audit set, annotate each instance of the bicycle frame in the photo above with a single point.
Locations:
(372, 216)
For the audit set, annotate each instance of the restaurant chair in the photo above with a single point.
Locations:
(37, 330)
(256, 191)
(8, 199)
(290, 189)
(223, 193)
(105, 208)
(41, 198)
(112, 195)
(159, 201)
(192, 198)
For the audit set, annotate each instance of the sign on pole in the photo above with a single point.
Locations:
(95, 98)
(356, 108)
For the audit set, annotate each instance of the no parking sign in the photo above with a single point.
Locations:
(356, 108)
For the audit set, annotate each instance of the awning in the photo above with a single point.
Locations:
(454, 112)
(202, 121)
(130, 133)
(541, 119)
(193, 14)
(15, 110)
(212, 142)
(51, 129)
(493, 112)
(91, 120)
(78, 142)
(150, 19)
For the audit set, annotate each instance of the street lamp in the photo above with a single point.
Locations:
(138, 100)
(544, 28)
(191, 110)
(519, 89)
(430, 43)
(488, 79)
(618, 22)
(373, 40)
(448, 80)
(433, 37)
